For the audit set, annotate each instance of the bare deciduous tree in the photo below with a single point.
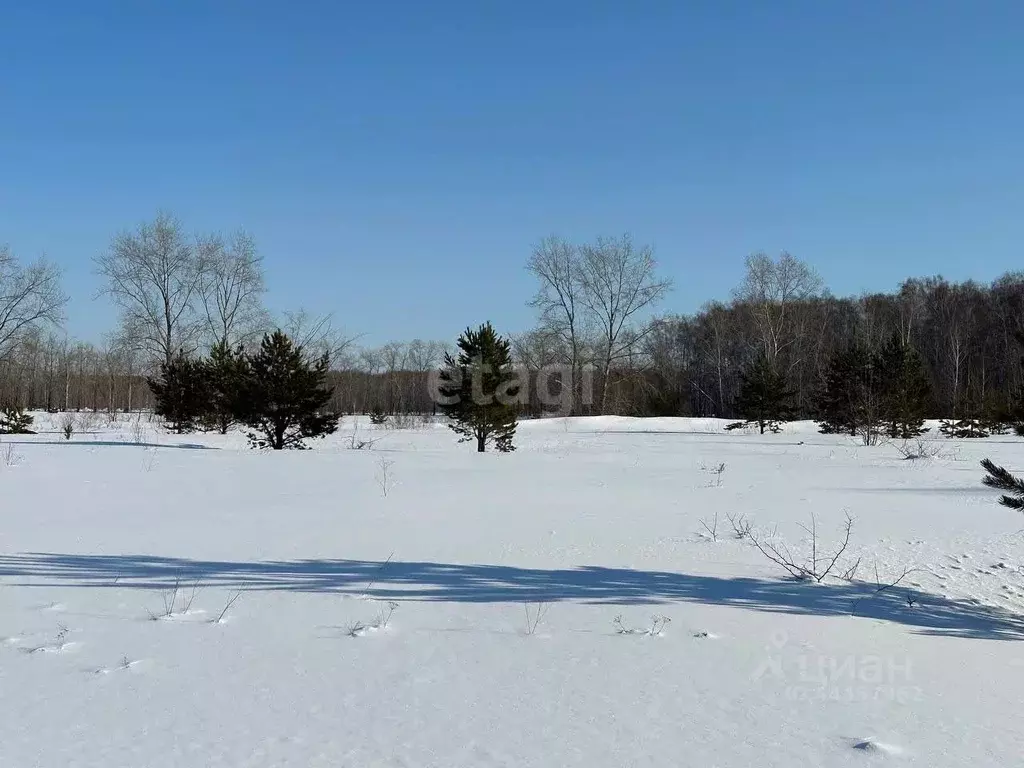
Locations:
(231, 290)
(589, 296)
(317, 335)
(30, 298)
(618, 281)
(771, 289)
(154, 275)
(559, 300)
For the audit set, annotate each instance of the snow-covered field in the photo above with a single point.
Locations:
(117, 559)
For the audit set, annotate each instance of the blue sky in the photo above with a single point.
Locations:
(395, 161)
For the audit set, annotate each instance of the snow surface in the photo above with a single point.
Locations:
(655, 645)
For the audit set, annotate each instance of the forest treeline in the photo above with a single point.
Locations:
(603, 322)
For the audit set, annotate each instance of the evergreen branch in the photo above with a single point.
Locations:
(1001, 479)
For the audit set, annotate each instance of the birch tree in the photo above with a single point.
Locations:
(154, 276)
(231, 291)
(773, 290)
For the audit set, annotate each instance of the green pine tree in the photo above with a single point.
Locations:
(226, 370)
(845, 400)
(763, 399)
(377, 416)
(181, 392)
(479, 390)
(965, 428)
(907, 393)
(14, 421)
(284, 397)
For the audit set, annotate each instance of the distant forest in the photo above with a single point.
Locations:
(597, 306)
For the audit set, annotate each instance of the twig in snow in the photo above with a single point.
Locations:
(713, 528)
(230, 602)
(535, 613)
(717, 471)
(385, 615)
(376, 575)
(358, 628)
(384, 480)
(741, 526)
(881, 587)
(170, 600)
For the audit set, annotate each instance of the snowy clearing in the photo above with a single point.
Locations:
(584, 601)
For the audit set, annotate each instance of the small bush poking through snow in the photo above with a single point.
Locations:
(914, 450)
(741, 526)
(658, 624)
(138, 431)
(67, 425)
(815, 566)
(171, 604)
(379, 624)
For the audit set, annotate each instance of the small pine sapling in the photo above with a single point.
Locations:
(763, 399)
(479, 389)
(377, 416)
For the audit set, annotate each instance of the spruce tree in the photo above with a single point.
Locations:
(377, 416)
(226, 371)
(14, 421)
(480, 390)
(906, 390)
(763, 399)
(844, 400)
(181, 392)
(965, 427)
(283, 398)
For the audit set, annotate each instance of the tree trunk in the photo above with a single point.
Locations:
(481, 443)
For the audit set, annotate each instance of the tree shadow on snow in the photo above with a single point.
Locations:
(120, 443)
(909, 489)
(466, 583)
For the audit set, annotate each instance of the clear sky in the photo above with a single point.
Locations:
(396, 160)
